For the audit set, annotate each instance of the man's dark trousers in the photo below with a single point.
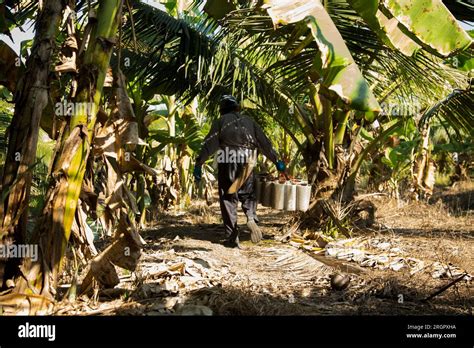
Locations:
(227, 173)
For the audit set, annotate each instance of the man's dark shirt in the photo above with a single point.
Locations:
(234, 130)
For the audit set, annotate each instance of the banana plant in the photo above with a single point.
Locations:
(397, 155)
(53, 229)
(31, 98)
(178, 133)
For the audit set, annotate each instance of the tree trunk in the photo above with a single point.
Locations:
(31, 98)
(54, 228)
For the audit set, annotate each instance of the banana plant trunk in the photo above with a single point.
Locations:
(53, 229)
(31, 98)
(324, 154)
(423, 167)
(140, 110)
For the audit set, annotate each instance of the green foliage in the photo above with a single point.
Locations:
(464, 61)
(188, 132)
(349, 57)
(392, 156)
(339, 71)
(457, 109)
(398, 159)
(408, 25)
(172, 54)
(444, 148)
(25, 47)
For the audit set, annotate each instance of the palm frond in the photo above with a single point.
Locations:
(457, 109)
(171, 53)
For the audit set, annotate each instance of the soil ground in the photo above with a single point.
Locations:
(185, 269)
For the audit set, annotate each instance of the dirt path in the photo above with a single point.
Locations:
(258, 279)
(185, 269)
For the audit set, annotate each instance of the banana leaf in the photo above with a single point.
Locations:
(386, 28)
(409, 25)
(334, 61)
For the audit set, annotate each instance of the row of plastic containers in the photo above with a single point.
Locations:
(287, 196)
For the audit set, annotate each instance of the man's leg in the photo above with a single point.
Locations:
(228, 205)
(228, 202)
(247, 195)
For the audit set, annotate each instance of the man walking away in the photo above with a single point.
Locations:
(236, 138)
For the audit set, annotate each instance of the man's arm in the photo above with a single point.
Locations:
(210, 145)
(265, 145)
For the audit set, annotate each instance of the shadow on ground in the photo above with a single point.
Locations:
(213, 233)
(458, 203)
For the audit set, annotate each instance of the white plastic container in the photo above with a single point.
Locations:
(290, 197)
(303, 196)
(278, 197)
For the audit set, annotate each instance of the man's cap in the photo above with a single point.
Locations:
(228, 102)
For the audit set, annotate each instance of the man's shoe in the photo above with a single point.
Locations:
(255, 233)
